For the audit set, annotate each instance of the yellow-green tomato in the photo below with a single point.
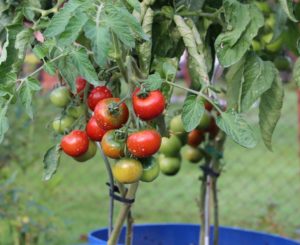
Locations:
(275, 45)
(169, 165)
(150, 169)
(62, 124)
(89, 154)
(170, 147)
(76, 111)
(60, 97)
(176, 125)
(127, 170)
(270, 21)
(263, 6)
(256, 46)
(191, 154)
(205, 121)
(267, 38)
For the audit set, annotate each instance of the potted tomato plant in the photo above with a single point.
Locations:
(117, 63)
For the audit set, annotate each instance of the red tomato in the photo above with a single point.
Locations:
(195, 137)
(93, 130)
(149, 106)
(107, 118)
(213, 129)
(144, 143)
(97, 94)
(75, 143)
(208, 105)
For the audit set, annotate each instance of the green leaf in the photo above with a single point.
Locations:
(68, 71)
(72, 29)
(41, 50)
(153, 82)
(237, 128)
(287, 6)
(135, 4)
(270, 110)
(51, 161)
(3, 53)
(192, 111)
(257, 78)
(243, 23)
(50, 68)
(81, 61)
(4, 125)
(29, 86)
(296, 72)
(61, 19)
(100, 39)
(23, 39)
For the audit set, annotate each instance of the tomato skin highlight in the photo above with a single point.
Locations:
(127, 170)
(144, 143)
(108, 120)
(97, 94)
(93, 130)
(195, 137)
(149, 107)
(111, 146)
(75, 143)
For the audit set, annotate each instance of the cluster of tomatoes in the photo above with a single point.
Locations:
(186, 145)
(109, 125)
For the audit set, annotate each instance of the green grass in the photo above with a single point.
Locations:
(252, 182)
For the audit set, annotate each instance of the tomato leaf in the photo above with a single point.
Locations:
(4, 124)
(296, 72)
(257, 78)
(237, 128)
(72, 29)
(135, 4)
(68, 71)
(100, 39)
(287, 6)
(3, 53)
(50, 68)
(51, 161)
(41, 50)
(270, 109)
(153, 82)
(23, 39)
(243, 23)
(81, 61)
(192, 111)
(29, 86)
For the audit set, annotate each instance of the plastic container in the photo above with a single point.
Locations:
(188, 234)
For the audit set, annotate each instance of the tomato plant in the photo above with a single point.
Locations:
(129, 52)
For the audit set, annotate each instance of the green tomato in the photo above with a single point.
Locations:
(283, 63)
(170, 147)
(76, 111)
(90, 153)
(205, 121)
(267, 38)
(60, 97)
(256, 46)
(275, 45)
(270, 21)
(176, 125)
(150, 169)
(263, 6)
(169, 165)
(191, 154)
(62, 124)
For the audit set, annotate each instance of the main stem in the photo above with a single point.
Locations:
(216, 211)
(202, 209)
(122, 215)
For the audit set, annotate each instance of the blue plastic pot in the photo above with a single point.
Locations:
(188, 234)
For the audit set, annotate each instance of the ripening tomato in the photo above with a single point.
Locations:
(112, 146)
(191, 154)
(110, 115)
(80, 86)
(93, 130)
(170, 147)
(62, 124)
(144, 143)
(205, 121)
(150, 169)
(195, 137)
(213, 129)
(169, 165)
(127, 170)
(60, 97)
(89, 154)
(97, 94)
(75, 143)
(149, 105)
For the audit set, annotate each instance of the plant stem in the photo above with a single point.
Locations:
(216, 211)
(111, 186)
(207, 211)
(122, 215)
(130, 221)
(119, 57)
(202, 208)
